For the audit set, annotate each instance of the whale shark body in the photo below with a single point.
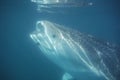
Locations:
(81, 56)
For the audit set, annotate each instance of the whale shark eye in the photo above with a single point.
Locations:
(54, 36)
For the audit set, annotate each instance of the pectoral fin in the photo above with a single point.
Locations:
(67, 76)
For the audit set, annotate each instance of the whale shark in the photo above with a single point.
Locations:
(81, 56)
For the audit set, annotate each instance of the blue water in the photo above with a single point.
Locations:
(20, 59)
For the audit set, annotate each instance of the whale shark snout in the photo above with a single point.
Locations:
(40, 26)
(40, 35)
(46, 35)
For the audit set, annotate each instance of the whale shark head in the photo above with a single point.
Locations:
(54, 41)
(46, 35)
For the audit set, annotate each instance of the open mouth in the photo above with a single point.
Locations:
(41, 41)
(34, 37)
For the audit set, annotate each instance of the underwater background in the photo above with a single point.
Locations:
(21, 59)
